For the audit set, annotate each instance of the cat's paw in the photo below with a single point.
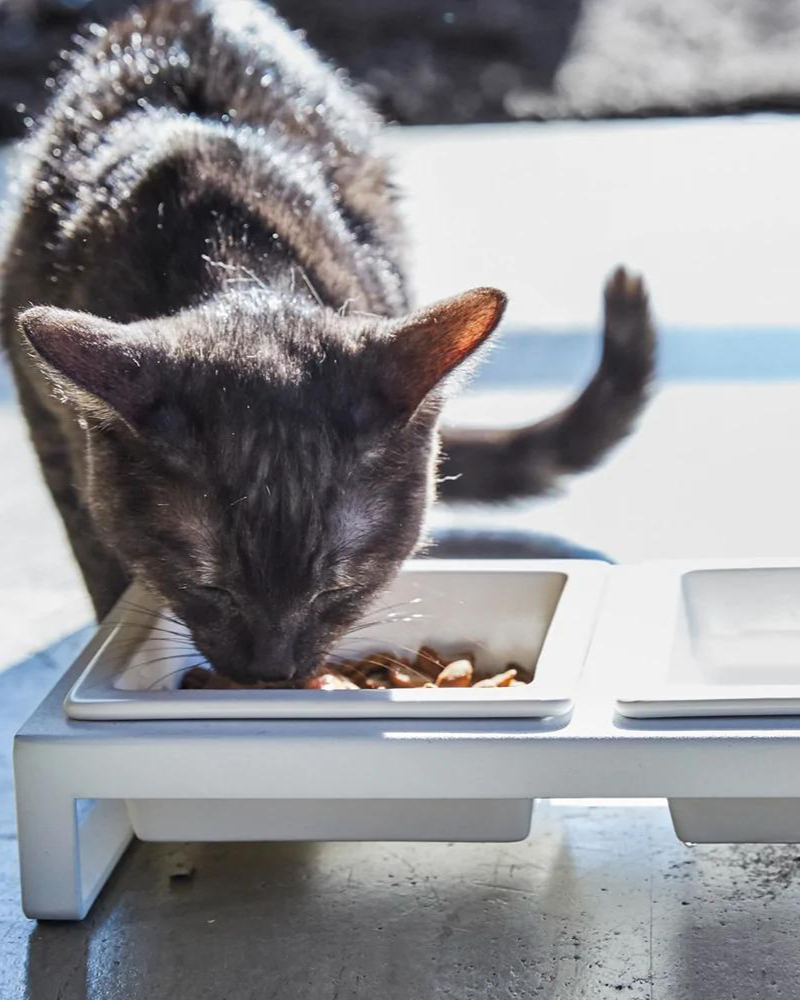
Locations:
(628, 331)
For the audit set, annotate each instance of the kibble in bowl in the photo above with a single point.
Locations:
(381, 672)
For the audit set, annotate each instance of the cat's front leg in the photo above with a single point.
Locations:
(102, 572)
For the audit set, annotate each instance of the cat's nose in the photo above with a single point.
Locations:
(274, 657)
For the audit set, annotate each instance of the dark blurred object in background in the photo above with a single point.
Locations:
(32, 33)
(433, 61)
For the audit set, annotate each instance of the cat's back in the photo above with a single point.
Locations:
(185, 72)
(232, 61)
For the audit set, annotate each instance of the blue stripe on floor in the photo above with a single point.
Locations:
(538, 358)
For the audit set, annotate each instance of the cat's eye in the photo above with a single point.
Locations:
(217, 594)
(330, 592)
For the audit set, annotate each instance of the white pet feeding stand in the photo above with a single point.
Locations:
(398, 769)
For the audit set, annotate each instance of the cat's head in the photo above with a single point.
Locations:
(265, 471)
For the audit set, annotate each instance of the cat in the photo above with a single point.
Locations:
(204, 307)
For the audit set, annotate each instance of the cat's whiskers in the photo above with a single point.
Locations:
(357, 669)
(184, 655)
(180, 670)
(397, 645)
(310, 286)
(362, 626)
(161, 659)
(128, 641)
(153, 612)
(178, 640)
(234, 268)
(150, 621)
(389, 610)
(144, 628)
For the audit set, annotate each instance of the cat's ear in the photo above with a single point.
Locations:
(95, 364)
(428, 345)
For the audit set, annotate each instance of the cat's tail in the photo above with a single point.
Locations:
(495, 465)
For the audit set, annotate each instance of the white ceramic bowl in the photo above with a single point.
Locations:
(538, 614)
(704, 639)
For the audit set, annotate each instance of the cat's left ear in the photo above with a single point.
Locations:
(98, 366)
(428, 345)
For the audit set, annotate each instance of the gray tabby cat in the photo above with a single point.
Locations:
(204, 308)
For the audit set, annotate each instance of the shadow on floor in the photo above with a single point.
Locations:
(483, 543)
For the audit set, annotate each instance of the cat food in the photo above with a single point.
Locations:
(381, 671)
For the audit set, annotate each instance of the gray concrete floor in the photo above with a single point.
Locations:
(598, 902)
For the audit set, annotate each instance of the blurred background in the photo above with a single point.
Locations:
(426, 62)
(537, 144)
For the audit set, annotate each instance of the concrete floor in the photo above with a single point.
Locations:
(599, 902)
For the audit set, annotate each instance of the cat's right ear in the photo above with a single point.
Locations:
(98, 366)
(428, 346)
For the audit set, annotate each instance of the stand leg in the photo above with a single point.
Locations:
(66, 854)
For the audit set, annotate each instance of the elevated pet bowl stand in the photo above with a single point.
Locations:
(84, 787)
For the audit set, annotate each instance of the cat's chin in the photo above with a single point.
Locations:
(208, 679)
